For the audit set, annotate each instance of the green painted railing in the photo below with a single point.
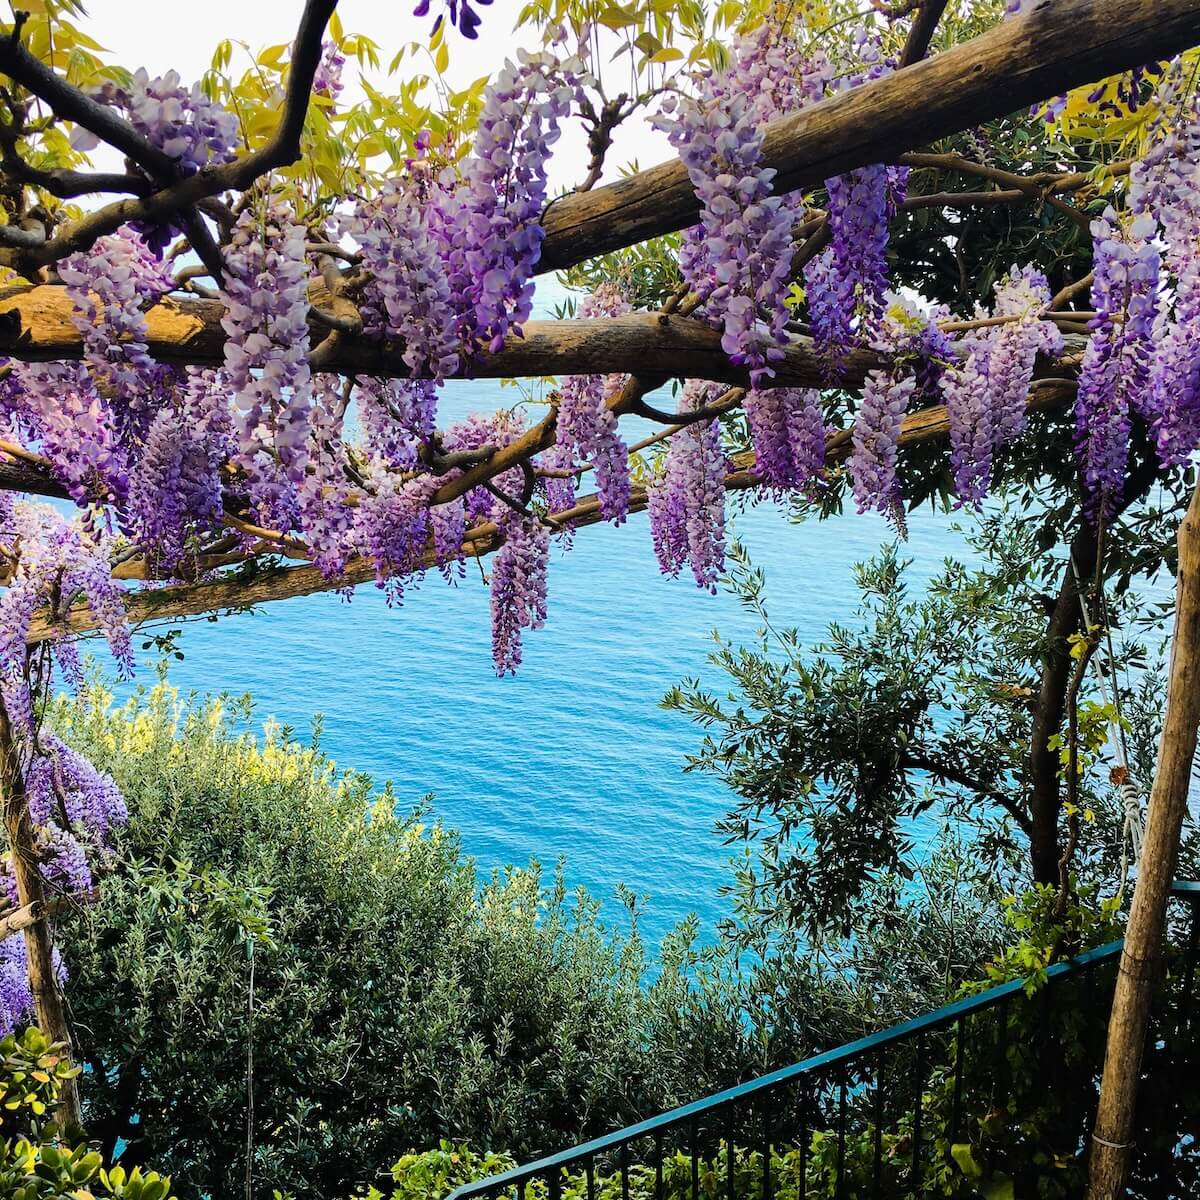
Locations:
(855, 1121)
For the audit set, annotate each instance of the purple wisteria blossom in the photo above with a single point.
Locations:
(788, 431)
(738, 259)
(327, 81)
(873, 459)
(266, 359)
(1116, 364)
(1164, 187)
(108, 286)
(986, 385)
(687, 501)
(181, 122)
(518, 587)
(587, 427)
(487, 218)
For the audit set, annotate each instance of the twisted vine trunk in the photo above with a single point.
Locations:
(1066, 619)
(49, 1012)
(1112, 1140)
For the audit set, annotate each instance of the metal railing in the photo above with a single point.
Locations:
(998, 1086)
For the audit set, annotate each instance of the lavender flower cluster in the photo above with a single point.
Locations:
(588, 428)
(738, 259)
(687, 501)
(1165, 188)
(74, 807)
(1115, 371)
(181, 122)
(487, 220)
(986, 390)
(787, 428)
(845, 284)
(885, 398)
(108, 287)
(518, 587)
(266, 359)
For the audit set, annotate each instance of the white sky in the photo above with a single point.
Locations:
(164, 34)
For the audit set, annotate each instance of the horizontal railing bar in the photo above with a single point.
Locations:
(839, 1055)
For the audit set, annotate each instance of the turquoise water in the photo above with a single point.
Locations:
(574, 757)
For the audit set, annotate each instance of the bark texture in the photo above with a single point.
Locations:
(48, 1008)
(1112, 1150)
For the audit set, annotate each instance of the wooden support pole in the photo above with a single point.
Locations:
(48, 1009)
(1111, 1151)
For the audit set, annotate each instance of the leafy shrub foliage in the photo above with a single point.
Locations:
(1015, 1127)
(34, 1163)
(398, 997)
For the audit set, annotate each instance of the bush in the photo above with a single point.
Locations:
(1015, 1126)
(397, 998)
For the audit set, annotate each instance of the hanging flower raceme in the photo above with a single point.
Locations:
(392, 526)
(518, 587)
(1164, 187)
(986, 385)
(885, 398)
(409, 283)
(325, 516)
(49, 565)
(687, 501)
(452, 253)
(108, 285)
(587, 426)
(846, 285)
(487, 219)
(266, 358)
(738, 259)
(448, 522)
(787, 427)
(920, 354)
(1116, 364)
(58, 411)
(327, 81)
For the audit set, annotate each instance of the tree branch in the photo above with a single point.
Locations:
(950, 774)
(181, 194)
(921, 32)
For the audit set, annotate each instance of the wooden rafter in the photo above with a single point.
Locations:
(1058, 45)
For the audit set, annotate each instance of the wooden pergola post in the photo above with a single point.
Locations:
(1112, 1145)
(48, 1009)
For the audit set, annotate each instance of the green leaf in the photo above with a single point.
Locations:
(962, 1155)
(999, 1187)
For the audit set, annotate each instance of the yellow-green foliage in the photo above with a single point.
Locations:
(34, 1163)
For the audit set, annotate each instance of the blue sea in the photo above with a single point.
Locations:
(574, 757)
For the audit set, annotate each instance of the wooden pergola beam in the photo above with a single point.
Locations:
(36, 325)
(928, 426)
(1057, 46)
